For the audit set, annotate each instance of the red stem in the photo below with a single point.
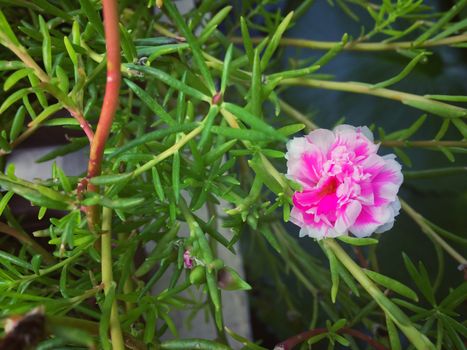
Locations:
(290, 343)
(83, 123)
(110, 103)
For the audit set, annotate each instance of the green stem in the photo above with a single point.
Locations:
(298, 116)
(359, 46)
(168, 152)
(107, 278)
(416, 101)
(30, 243)
(420, 220)
(420, 341)
(423, 144)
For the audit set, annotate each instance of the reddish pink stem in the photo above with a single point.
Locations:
(110, 103)
(290, 343)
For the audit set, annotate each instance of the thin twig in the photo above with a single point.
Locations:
(290, 343)
(368, 89)
(423, 144)
(359, 46)
(297, 115)
(420, 220)
(27, 241)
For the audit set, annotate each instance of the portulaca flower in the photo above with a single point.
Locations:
(346, 185)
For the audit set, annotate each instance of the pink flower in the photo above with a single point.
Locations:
(346, 185)
(187, 260)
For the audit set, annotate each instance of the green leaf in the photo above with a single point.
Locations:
(6, 257)
(169, 80)
(229, 279)
(420, 279)
(110, 179)
(150, 325)
(51, 9)
(15, 77)
(17, 95)
(115, 203)
(194, 44)
(248, 344)
(18, 123)
(357, 241)
(46, 113)
(152, 136)
(392, 284)
(291, 129)
(257, 164)
(71, 51)
(6, 29)
(328, 56)
(242, 134)
(406, 71)
(209, 121)
(394, 340)
(176, 176)
(338, 325)
(252, 120)
(334, 268)
(247, 40)
(64, 181)
(214, 294)
(11, 65)
(63, 81)
(4, 201)
(184, 344)
(226, 69)
(266, 232)
(157, 184)
(275, 41)
(447, 16)
(37, 194)
(151, 103)
(219, 151)
(450, 98)
(256, 90)
(46, 46)
(404, 134)
(437, 108)
(214, 22)
(93, 16)
(128, 47)
(74, 145)
(461, 126)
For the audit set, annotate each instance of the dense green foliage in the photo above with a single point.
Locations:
(202, 124)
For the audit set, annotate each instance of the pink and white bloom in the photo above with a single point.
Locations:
(346, 185)
(187, 260)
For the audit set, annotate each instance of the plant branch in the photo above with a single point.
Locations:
(110, 102)
(360, 46)
(29, 62)
(416, 101)
(27, 241)
(419, 340)
(297, 115)
(423, 144)
(107, 278)
(420, 220)
(290, 343)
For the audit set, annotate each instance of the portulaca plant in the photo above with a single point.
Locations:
(234, 125)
